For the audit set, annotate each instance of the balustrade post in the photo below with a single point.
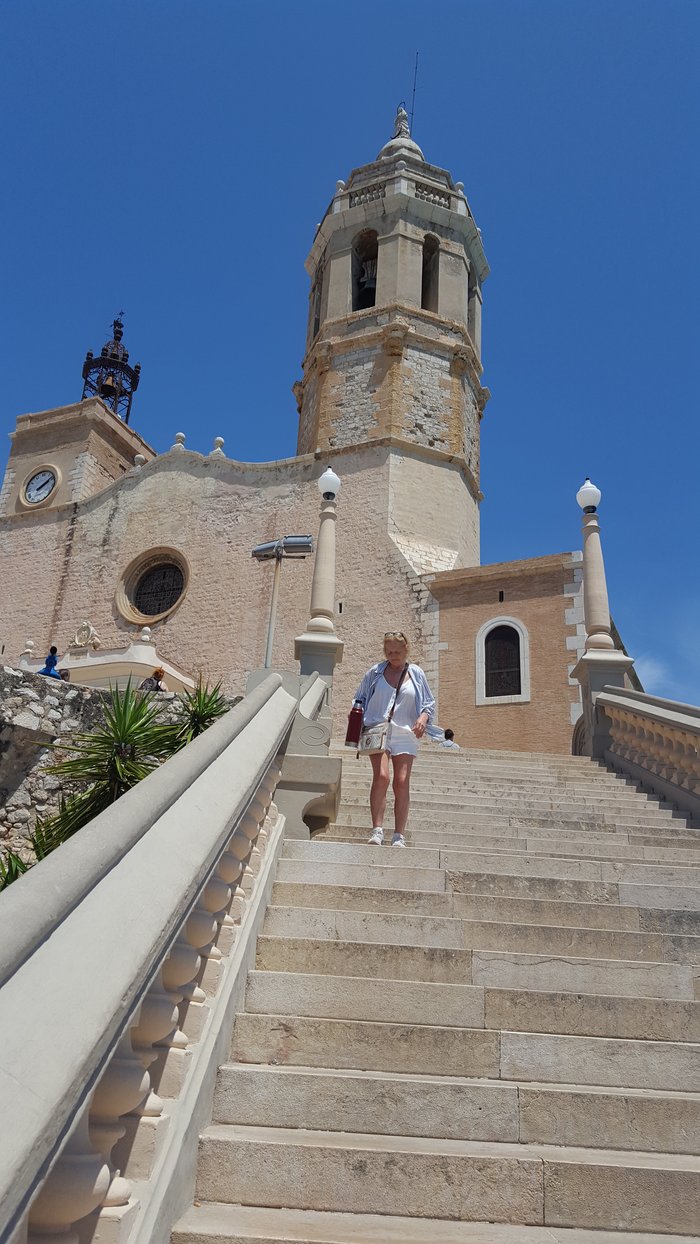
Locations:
(75, 1186)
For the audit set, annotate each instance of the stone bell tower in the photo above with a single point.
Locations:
(394, 343)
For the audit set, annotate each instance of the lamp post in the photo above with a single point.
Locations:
(602, 664)
(319, 649)
(286, 547)
(596, 610)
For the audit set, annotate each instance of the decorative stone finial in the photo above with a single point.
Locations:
(218, 450)
(139, 461)
(401, 144)
(145, 635)
(339, 185)
(179, 441)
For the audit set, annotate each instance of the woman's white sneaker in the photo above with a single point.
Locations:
(398, 840)
(377, 837)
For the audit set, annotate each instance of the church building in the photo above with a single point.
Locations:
(98, 529)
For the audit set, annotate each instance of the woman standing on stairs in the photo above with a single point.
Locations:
(398, 683)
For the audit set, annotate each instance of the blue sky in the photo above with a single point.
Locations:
(172, 158)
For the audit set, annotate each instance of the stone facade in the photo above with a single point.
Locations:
(391, 397)
(544, 597)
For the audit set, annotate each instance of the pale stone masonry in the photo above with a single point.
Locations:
(391, 397)
(490, 1034)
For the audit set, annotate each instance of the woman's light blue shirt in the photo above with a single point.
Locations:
(425, 700)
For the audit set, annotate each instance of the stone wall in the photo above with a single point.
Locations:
(545, 597)
(36, 712)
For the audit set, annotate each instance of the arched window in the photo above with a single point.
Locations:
(502, 662)
(364, 270)
(431, 273)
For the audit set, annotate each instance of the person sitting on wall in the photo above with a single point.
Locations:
(50, 664)
(449, 742)
(154, 682)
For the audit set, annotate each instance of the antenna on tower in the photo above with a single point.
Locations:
(413, 97)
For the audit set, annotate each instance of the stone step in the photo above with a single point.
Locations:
(359, 814)
(457, 1108)
(516, 791)
(470, 907)
(410, 930)
(499, 969)
(382, 876)
(217, 1223)
(616, 847)
(672, 898)
(648, 873)
(480, 1053)
(583, 809)
(471, 1006)
(434, 835)
(430, 1177)
(455, 860)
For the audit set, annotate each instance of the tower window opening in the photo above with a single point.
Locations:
(502, 662)
(364, 270)
(501, 597)
(316, 298)
(430, 275)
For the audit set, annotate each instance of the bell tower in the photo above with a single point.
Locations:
(393, 348)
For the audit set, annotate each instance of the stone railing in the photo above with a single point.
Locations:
(655, 741)
(123, 959)
(367, 194)
(432, 194)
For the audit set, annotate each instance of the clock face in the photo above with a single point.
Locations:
(39, 486)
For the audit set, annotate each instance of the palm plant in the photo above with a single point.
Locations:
(130, 744)
(199, 709)
(11, 868)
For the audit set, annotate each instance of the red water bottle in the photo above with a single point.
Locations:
(352, 738)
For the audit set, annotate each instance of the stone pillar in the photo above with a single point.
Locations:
(339, 279)
(602, 664)
(319, 650)
(474, 316)
(596, 610)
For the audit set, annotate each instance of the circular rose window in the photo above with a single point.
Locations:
(153, 585)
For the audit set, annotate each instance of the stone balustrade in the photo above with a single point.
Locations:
(123, 958)
(655, 741)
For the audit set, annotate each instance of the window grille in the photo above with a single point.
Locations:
(502, 662)
(158, 589)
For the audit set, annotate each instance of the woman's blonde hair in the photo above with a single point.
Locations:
(400, 635)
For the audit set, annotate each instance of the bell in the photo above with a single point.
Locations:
(108, 386)
(368, 279)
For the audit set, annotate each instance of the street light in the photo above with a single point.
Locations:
(588, 497)
(286, 547)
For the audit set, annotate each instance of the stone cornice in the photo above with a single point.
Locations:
(403, 322)
(444, 581)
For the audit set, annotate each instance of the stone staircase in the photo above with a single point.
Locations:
(490, 1036)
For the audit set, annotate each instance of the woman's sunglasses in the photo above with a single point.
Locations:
(395, 635)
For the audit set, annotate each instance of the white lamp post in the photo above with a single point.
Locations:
(319, 648)
(602, 664)
(596, 610)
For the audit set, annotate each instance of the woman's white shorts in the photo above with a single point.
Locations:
(401, 742)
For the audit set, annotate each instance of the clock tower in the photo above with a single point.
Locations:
(64, 455)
